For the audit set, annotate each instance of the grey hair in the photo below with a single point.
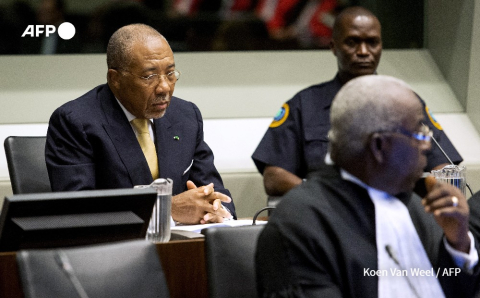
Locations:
(121, 42)
(363, 106)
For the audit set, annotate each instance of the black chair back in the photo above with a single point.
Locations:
(26, 164)
(121, 270)
(230, 256)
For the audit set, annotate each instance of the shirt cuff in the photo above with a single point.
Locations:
(226, 218)
(461, 259)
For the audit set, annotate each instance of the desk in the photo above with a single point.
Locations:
(183, 263)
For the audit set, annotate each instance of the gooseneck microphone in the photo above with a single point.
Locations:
(441, 149)
(393, 256)
(448, 158)
(258, 213)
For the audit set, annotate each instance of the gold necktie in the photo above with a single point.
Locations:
(148, 148)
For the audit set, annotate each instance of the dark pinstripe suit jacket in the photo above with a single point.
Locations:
(91, 145)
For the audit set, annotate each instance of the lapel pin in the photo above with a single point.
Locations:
(176, 138)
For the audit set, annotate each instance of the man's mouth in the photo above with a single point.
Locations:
(363, 64)
(161, 104)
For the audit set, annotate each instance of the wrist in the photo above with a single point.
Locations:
(461, 243)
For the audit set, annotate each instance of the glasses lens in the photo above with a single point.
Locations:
(425, 134)
(172, 77)
(176, 74)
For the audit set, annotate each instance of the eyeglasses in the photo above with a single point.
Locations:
(425, 134)
(154, 79)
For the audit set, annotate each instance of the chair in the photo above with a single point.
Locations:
(122, 269)
(230, 258)
(26, 164)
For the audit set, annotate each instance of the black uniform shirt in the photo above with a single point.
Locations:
(297, 138)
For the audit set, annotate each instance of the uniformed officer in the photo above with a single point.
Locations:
(296, 141)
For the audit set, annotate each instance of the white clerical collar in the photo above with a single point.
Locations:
(394, 228)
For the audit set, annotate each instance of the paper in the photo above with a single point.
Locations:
(228, 223)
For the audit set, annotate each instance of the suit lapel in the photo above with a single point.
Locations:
(125, 142)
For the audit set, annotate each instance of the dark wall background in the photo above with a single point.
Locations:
(206, 29)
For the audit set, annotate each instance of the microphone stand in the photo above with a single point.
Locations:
(448, 158)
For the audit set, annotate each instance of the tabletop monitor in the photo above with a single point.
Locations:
(62, 219)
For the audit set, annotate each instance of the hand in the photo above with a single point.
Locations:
(215, 199)
(440, 201)
(199, 205)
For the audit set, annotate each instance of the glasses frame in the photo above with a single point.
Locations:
(150, 79)
(425, 135)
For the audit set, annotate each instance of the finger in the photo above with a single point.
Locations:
(439, 192)
(453, 212)
(223, 212)
(220, 196)
(217, 204)
(217, 196)
(212, 218)
(208, 189)
(217, 208)
(430, 182)
(440, 203)
(191, 185)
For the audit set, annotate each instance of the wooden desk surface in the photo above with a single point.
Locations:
(183, 263)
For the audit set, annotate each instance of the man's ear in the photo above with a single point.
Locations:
(377, 145)
(113, 78)
(331, 45)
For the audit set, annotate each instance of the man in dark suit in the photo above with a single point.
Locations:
(354, 229)
(92, 140)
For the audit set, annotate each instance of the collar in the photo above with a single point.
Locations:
(404, 197)
(129, 115)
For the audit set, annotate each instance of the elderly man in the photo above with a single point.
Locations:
(132, 130)
(296, 141)
(354, 229)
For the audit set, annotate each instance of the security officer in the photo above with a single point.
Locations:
(296, 141)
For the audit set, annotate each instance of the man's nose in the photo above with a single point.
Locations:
(163, 85)
(362, 49)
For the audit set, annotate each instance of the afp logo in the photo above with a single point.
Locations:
(66, 30)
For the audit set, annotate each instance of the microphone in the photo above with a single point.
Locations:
(258, 213)
(448, 158)
(441, 149)
(393, 256)
(64, 264)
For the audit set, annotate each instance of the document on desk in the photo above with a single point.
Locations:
(227, 223)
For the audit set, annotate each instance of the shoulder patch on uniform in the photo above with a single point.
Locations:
(281, 116)
(432, 119)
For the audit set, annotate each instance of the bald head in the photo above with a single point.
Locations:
(119, 49)
(347, 15)
(363, 106)
(375, 123)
